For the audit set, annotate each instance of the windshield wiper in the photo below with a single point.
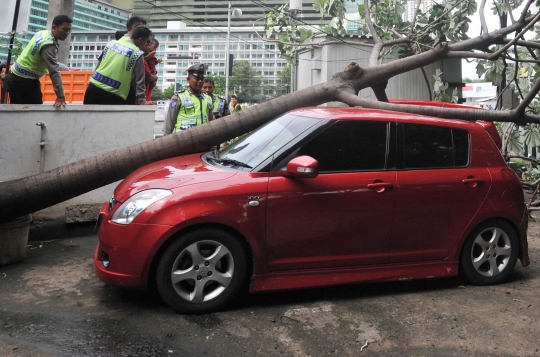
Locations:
(231, 161)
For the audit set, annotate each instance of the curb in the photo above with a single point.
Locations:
(47, 230)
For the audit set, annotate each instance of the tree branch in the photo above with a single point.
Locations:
(509, 116)
(522, 32)
(482, 17)
(369, 23)
(525, 10)
(413, 23)
(510, 11)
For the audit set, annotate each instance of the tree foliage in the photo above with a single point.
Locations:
(157, 94)
(247, 83)
(169, 92)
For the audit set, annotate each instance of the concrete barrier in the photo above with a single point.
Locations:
(38, 138)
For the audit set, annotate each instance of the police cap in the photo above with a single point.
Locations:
(198, 69)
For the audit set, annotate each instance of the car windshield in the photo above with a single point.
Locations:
(257, 146)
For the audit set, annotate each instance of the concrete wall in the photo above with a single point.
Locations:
(71, 134)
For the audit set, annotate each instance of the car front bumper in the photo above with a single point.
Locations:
(124, 252)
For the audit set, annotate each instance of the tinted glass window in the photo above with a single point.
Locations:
(435, 147)
(349, 146)
(428, 146)
(461, 147)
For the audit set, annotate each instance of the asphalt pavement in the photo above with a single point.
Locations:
(51, 304)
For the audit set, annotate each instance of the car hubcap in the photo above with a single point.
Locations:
(491, 252)
(202, 271)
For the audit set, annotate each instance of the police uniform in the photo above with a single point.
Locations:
(122, 63)
(221, 107)
(189, 109)
(39, 57)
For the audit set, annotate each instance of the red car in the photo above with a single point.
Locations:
(320, 196)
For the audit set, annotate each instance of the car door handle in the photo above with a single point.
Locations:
(380, 186)
(473, 182)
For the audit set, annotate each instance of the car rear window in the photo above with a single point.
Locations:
(428, 146)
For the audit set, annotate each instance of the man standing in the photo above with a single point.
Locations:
(235, 106)
(38, 58)
(221, 108)
(189, 107)
(122, 64)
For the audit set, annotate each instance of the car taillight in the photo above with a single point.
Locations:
(510, 175)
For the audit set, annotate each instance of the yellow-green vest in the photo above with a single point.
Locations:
(30, 63)
(193, 110)
(115, 71)
(219, 105)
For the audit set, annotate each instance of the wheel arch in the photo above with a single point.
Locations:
(151, 279)
(493, 219)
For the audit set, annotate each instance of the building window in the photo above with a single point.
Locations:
(173, 37)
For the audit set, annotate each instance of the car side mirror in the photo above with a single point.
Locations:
(303, 167)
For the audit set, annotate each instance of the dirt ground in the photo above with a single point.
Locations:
(53, 305)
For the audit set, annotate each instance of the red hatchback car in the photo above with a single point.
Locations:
(319, 196)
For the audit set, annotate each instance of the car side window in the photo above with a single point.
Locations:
(435, 147)
(349, 146)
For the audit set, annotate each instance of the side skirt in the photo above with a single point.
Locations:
(325, 277)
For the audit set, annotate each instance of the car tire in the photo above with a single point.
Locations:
(202, 271)
(490, 253)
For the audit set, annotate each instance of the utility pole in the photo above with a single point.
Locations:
(61, 7)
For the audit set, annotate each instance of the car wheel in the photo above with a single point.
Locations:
(490, 253)
(202, 271)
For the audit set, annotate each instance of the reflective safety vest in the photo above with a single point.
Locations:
(193, 110)
(30, 64)
(115, 71)
(219, 105)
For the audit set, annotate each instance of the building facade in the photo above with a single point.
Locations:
(89, 15)
(214, 12)
(181, 48)
(410, 8)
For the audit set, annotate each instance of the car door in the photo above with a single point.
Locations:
(441, 183)
(343, 216)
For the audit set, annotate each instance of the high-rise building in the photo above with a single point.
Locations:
(89, 15)
(181, 48)
(352, 16)
(425, 5)
(214, 12)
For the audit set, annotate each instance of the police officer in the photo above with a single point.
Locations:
(221, 108)
(39, 57)
(189, 107)
(121, 68)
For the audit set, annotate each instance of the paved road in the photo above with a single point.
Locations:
(52, 305)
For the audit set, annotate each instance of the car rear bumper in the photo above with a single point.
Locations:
(524, 251)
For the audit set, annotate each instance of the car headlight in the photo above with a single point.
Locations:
(130, 209)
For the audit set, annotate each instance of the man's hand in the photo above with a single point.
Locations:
(59, 101)
(150, 103)
(159, 60)
(150, 55)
